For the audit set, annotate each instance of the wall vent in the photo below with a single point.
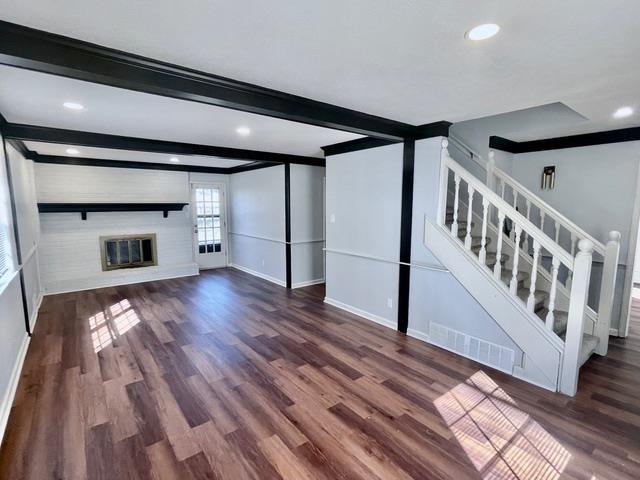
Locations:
(491, 354)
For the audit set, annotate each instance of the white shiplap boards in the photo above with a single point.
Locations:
(69, 247)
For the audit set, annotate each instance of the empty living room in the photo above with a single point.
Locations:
(336, 240)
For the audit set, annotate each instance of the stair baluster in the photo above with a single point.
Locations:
(557, 231)
(467, 238)
(454, 225)
(550, 319)
(497, 268)
(513, 288)
(529, 237)
(482, 255)
(534, 277)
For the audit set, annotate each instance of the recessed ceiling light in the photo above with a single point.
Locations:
(482, 32)
(73, 106)
(244, 131)
(174, 160)
(623, 112)
(73, 151)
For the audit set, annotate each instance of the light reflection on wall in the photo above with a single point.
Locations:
(501, 440)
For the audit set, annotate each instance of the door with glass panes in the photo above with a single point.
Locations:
(209, 225)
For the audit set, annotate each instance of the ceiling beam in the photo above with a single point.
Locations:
(32, 49)
(631, 134)
(33, 133)
(428, 130)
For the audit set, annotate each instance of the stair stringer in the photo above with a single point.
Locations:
(542, 347)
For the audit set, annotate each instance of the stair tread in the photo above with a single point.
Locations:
(560, 319)
(521, 277)
(491, 258)
(539, 295)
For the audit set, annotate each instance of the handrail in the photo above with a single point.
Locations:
(548, 209)
(475, 156)
(551, 246)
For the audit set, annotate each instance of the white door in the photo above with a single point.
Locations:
(209, 225)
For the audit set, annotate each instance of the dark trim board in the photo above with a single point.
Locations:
(119, 142)
(356, 145)
(287, 222)
(95, 162)
(573, 141)
(44, 52)
(406, 219)
(429, 130)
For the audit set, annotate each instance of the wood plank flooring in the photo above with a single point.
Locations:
(225, 376)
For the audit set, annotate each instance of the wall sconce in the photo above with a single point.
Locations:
(548, 178)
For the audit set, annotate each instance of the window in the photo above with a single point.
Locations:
(128, 251)
(208, 220)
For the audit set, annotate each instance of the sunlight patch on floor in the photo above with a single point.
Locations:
(502, 441)
(113, 321)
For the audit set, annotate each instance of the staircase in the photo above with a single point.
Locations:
(528, 266)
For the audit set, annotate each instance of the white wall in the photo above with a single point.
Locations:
(23, 180)
(257, 223)
(595, 188)
(70, 249)
(364, 196)
(307, 224)
(13, 335)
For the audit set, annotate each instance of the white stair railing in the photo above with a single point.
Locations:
(579, 269)
(551, 219)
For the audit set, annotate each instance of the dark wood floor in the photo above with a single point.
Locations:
(227, 376)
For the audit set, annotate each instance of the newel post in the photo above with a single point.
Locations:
(575, 322)
(607, 291)
(444, 182)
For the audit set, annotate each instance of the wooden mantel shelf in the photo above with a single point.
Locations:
(83, 208)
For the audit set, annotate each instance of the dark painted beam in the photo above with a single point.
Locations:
(287, 223)
(429, 130)
(436, 129)
(572, 141)
(44, 52)
(96, 162)
(102, 140)
(406, 220)
(355, 145)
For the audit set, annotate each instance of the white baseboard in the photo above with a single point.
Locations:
(361, 313)
(121, 277)
(308, 283)
(7, 401)
(614, 332)
(263, 276)
(518, 372)
(419, 335)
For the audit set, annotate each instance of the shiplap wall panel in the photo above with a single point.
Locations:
(72, 183)
(70, 249)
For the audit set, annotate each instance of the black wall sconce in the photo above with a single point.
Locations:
(548, 178)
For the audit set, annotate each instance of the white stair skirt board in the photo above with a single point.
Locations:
(308, 283)
(259, 275)
(361, 313)
(7, 401)
(121, 277)
(482, 351)
(542, 346)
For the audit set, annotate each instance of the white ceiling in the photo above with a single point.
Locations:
(36, 99)
(127, 155)
(405, 60)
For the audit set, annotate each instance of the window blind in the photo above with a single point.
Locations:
(5, 251)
